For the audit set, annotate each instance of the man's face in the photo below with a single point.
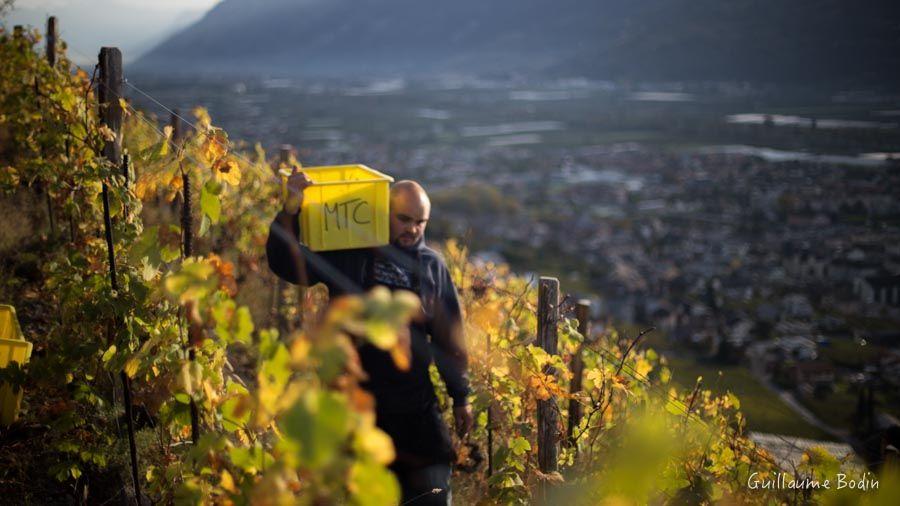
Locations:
(409, 216)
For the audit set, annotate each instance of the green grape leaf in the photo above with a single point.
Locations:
(318, 424)
(372, 485)
(519, 446)
(210, 204)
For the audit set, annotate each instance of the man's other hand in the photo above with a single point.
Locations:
(296, 183)
(462, 418)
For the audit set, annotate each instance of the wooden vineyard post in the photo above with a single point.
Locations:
(490, 408)
(51, 59)
(284, 154)
(176, 136)
(187, 218)
(547, 411)
(71, 213)
(582, 313)
(126, 173)
(109, 92)
(284, 158)
(175, 121)
(51, 41)
(187, 235)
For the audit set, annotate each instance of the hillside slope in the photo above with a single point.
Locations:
(834, 41)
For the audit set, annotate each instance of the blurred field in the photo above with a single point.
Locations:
(764, 410)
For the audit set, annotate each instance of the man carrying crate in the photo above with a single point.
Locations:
(406, 407)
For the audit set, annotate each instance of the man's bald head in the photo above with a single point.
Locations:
(410, 211)
(408, 188)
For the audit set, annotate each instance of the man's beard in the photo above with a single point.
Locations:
(406, 240)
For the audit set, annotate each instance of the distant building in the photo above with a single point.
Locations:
(890, 368)
(797, 348)
(818, 374)
(856, 264)
(796, 306)
(880, 289)
(807, 266)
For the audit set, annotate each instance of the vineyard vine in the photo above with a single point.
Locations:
(282, 416)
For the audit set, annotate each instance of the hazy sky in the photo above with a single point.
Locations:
(134, 26)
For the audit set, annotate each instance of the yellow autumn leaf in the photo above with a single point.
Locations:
(107, 133)
(214, 147)
(175, 184)
(642, 367)
(227, 170)
(373, 442)
(487, 317)
(400, 354)
(9, 176)
(381, 334)
(300, 349)
(185, 379)
(210, 392)
(131, 366)
(124, 105)
(203, 119)
(242, 437)
(226, 481)
(143, 187)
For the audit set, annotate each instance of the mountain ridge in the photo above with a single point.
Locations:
(833, 41)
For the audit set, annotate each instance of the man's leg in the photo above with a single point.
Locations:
(426, 486)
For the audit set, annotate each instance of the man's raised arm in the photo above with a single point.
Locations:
(293, 262)
(283, 250)
(286, 257)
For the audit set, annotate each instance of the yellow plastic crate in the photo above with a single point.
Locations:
(13, 348)
(346, 207)
(9, 324)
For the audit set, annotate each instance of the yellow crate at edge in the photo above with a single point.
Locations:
(9, 324)
(13, 348)
(346, 207)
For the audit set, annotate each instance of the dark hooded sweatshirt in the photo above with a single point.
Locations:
(405, 400)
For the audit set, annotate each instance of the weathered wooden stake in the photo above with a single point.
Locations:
(126, 173)
(582, 312)
(50, 216)
(175, 121)
(284, 154)
(51, 59)
(490, 410)
(71, 214)
(109, 91)
(284, 158)
(176, 137)
(187, 233)
(547, 412)
(187, 218)
(51, 41)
